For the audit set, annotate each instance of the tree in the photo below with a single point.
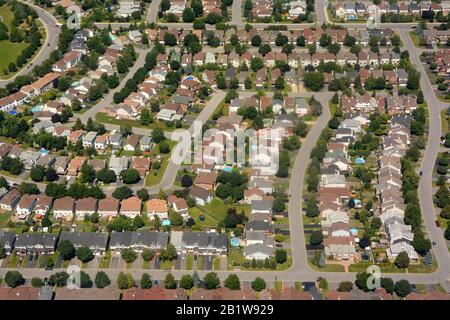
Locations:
(85, 254)
(169, 282)
(158, 135)
(364, 242)
(143, 194)
(447, 232)
(147, 254)
(14, 279)
(402, 288)
(258, 284)
(186, 282)
(361, 281)
(316, 238)
(345, 286)
(128, 255)
(37, 282)
(313, 80)
(124, 281)
(85, 280)
(186, 181)
(122, 193)
(146, 281)
(188, 15)
(130, 176)
(51, 175)
(232, 282)
(169, 253)
(66, 250)
(146, 117)
(402, 260)
(37, 173)
(102, 280)
(387, 284)
(280, 255)
(211, 281)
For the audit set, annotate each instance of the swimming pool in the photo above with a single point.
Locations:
(235, 242)
(37, 108)
(166, 223)
(228, 169)
(360, 161)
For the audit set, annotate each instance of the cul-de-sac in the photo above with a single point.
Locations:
(224, 150)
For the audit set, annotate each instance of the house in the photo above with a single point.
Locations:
(142, 165)
(199, 242)
(35, 243)
(258, 252)
(255, 237)
(138, 240)
(9, 201)
(76, 135)
(26, 293)
(131, 143)
(88, 139)
(25, 206)
(108, 207)
(135, 35)
(69, 61)
(42, 206)
(155, 293)
(75, 165)
(66, 294)
(261, 206)
(95, 241)
(253, 194)
(131, 207)
(179, 205)
(101, 142)
(157, 207)
(7, 240)
(117, 164)
(145, 143)
(63, 208)
(85, 206)
(61, 165)
(340, 248)
(29, 158)
(259, 225)
(201, 196)
(206, 180)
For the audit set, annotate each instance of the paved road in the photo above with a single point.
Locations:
(429, 157)
(152, 14)
(236, 12)
(108, 99)
(50, 43)
(321, 11)
(173, 166)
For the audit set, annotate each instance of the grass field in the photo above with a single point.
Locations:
(189, 261)
(105, 260)
(103, 117)
(4, 218)
(9, 50)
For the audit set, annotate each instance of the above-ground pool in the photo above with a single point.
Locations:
(235, 242)
(166, 223)
(360, 161)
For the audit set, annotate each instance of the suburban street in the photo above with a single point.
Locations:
(50, 43)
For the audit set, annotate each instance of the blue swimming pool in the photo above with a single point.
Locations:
(228, 169)
(37, 108)
(235, 242)
(360, 161)
(166, 223)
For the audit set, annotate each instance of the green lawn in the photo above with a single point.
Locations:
(199, 262)
(216, 263)
(4, 218)
(103, 117)
(189, 261)
(13, 260)
(155, 176)
(105, 260)
(445, 122)
(278, 285)
(7, 15)
(166, 265)
(328, 267)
